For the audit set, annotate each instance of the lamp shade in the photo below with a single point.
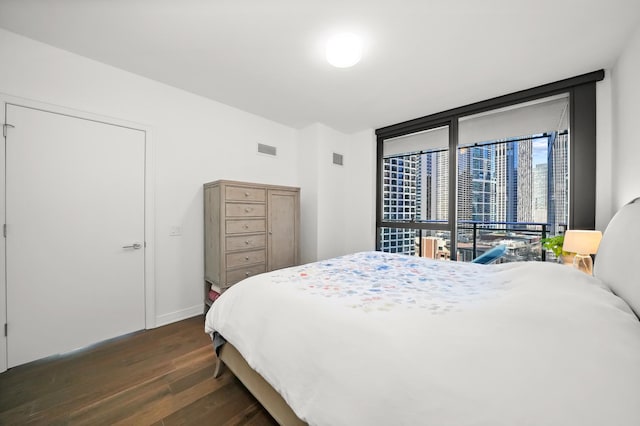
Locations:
(582, 242)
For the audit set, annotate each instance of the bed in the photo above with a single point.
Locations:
(380, 339)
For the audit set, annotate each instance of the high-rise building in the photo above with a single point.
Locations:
(440, 188)
(483, 185)
(432, 186)
(497, 182)
(400, 202)
(476, 184)
(540, 188)
(423, 187)
(506, 180)
(558, 182)
(525, 180)
(465, 208)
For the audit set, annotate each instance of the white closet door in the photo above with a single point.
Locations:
(74, 199)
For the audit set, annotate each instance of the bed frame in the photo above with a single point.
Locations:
(256, 384)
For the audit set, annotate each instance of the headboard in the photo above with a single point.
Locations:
(618, 260)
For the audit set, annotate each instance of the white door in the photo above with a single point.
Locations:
(74, 200)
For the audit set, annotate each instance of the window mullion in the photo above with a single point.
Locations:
(453, 187)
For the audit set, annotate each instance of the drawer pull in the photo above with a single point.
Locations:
(246, 258)
(247, 242)
(247, 210)
(246, 274)
(246, 226)
(246, 194)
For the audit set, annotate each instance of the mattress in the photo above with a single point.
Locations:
(378, 339)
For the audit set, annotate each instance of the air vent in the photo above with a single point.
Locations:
(266, 149)
(338, 159)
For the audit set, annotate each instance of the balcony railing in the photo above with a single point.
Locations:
(523, 240)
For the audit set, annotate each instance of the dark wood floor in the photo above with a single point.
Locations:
(155, 377)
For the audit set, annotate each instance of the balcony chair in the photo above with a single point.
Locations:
(492, 255)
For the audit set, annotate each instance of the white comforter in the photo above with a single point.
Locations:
(381, 339)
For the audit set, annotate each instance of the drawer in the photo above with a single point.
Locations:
(246, 226)
(235, 260)
(240, 274)
(239, 193)
(245, 210)
(243, 242)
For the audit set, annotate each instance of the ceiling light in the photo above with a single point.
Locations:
(344, 50)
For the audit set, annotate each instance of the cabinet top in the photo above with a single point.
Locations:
(223, 182)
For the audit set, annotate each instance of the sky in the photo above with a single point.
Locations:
(540, 151)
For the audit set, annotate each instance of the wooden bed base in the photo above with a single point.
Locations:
(258, 386)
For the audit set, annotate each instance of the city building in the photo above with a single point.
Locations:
(540, 191)
(500, 187)
(400, 202)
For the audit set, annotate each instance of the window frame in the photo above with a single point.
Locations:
(582, 161)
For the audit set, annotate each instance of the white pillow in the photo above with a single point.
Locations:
(618, 260)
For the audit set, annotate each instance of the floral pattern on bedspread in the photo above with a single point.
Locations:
(377, 281)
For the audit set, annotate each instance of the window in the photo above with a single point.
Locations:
(507, 193)
(516, 169)
(423, 157)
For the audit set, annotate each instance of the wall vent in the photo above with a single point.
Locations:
(266, 149)
(338, 159)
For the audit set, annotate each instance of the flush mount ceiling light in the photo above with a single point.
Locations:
(344, 50)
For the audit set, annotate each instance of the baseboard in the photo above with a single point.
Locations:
(179, 315)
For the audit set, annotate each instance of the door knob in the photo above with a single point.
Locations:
(135, 246)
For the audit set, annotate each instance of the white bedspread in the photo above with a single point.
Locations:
(380, 339)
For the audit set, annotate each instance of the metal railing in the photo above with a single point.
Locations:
(512, 230)
(498, 231)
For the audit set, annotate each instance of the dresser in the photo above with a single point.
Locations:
(249, 228)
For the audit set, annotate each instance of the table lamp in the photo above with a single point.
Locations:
(583, 244)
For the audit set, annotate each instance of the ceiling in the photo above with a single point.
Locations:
(267, 58)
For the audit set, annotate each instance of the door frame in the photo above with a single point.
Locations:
(149, 207)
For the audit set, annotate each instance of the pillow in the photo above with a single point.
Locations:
(618, 260)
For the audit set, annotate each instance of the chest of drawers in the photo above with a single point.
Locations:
(249, 229)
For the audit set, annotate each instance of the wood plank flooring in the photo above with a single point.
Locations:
(162, 376)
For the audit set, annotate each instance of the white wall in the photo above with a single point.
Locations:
(360, 188)
(195, 140)
(342, 217)
(604, 148)
(308, 145)
(626, 119)
(332, 196)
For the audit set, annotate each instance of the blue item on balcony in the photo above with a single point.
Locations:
(492, 255)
